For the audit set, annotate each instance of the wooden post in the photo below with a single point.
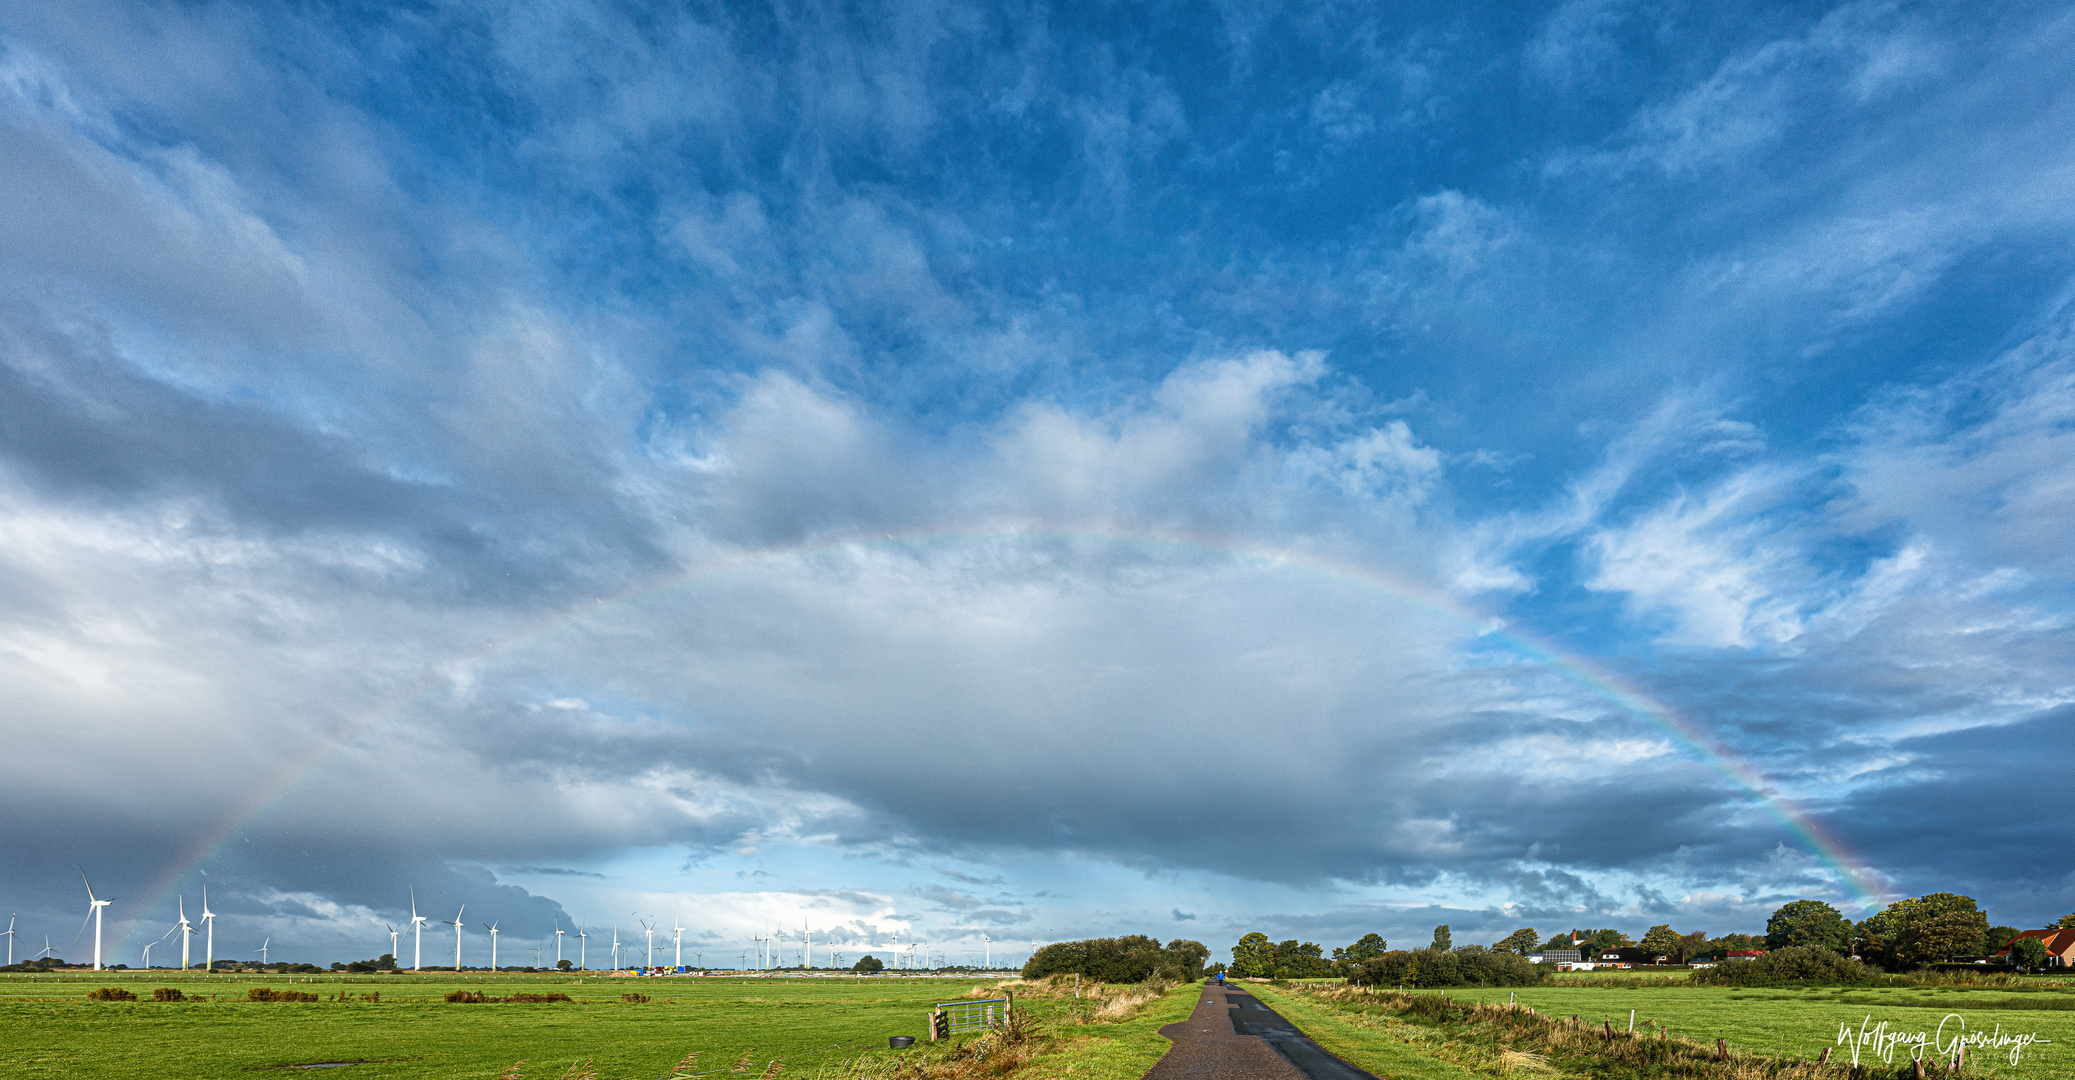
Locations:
(1722, 1049)
(1610, 1029)
(936, 1018)
(1824, 1057)
(1919, 1068)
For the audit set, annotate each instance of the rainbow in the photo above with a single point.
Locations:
(1694, 742)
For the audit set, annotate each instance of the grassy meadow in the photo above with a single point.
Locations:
(48, 1027)
(1777, 1023)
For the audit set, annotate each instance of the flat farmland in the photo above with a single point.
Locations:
(1803, 1022)
(48, 1028)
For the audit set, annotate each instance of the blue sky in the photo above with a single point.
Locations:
(1036, 471)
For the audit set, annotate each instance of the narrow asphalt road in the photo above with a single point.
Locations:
(1232, 1036)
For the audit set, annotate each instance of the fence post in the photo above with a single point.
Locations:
(936, 1017)
(1722, 1049)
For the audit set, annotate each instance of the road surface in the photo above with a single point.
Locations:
(1232, 1036)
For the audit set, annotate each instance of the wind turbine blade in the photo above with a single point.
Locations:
(82, 927)
(89, 885)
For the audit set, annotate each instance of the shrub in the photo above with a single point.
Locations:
(1795, 963)
(634, 999)
(261, 993)
(111, 993)
(538, 999)
(168, 993)
(467, 997)
(1133, 958)
(1472, 965)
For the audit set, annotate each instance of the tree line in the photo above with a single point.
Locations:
(1816, 938)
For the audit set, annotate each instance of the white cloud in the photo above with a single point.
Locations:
(1707, 564)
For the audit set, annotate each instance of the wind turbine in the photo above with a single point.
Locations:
(393, 934)
(492, 927)
(417, 932)
(94, 904)
(616, 947)
(582, 948)
(987, 951)
(806, 947)
(558, 941)
(650, 930)
(263, 951)
(455, 922)
(187, 934)
(147, 949)
(678, 938)
(209, 942)
(46, 948)
(10, 937)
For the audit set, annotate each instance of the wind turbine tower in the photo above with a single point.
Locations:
(10, 937)
(986, 952)
(650, 930)
(187, 934)
(492, 927)
(263, 950)
(209, 940)
(393, 935)
(455, 922)
(417, 932)
(677, 938)
(94, 904)
(558, 940)
(582, 948)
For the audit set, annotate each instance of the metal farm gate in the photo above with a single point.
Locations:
(950, 1018)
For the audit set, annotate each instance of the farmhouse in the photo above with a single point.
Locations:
(2059, 942)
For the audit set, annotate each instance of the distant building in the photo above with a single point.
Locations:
(2059, 942)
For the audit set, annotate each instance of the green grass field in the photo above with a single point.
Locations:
(1772, 1022)
(49, 1029)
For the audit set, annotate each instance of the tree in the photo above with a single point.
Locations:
(1661, 941)
(868, 962)
(1185, 959)
(1559, 940)
(1599, 941)
(1693, 944)
(2065, 922)
(1369, 947)
(1808, 922)
(1728, 943)
(1440, 938)
(1520, 942)
(1925, 929)
(1300, 960)
(1253, 957)
(564, 965)
(2028, 953)
(1132, 958)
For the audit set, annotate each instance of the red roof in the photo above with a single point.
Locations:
(2059, 941)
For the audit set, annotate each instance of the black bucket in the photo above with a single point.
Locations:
(901, 1042)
